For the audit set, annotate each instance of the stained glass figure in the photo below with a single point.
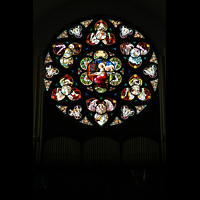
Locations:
(144, 94)
(104, 70)
(60, 49)
(57, 94)
(151, 71)
(72, 93)
(100, 54)
(51, 71)
(100, 35)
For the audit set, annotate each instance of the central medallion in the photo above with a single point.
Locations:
(101, 72)
(96, 50)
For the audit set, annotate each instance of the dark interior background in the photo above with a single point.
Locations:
(58, 181)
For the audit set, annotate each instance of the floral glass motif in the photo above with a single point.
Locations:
(126, 112)
(76, 112)
(76, 31)
(151, 71)
(103, 72)
(51, 71)
(124, 31)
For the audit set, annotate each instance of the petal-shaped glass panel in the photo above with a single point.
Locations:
(57, 94)
(135, 80)
(145, 94)
(144, 48)
(75, 47)
(126, 94)
(75, 94)
(92, 104)
(66, 62)
(126, 48)
(59, 48)
(110, 39)
(101, 119)
(110, 104)
(66, 80)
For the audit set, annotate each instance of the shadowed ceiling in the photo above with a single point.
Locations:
(49, 16)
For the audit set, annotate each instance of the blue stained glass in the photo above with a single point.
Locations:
(107, 63)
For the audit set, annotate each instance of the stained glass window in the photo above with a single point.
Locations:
(101, 72)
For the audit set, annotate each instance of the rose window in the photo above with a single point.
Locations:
(101, 72)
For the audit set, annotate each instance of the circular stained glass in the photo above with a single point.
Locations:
(101, 72)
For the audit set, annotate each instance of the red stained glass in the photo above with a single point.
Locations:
(59, 48)
(75, 94)
(93, 72)
(101, 25)
(110, 39)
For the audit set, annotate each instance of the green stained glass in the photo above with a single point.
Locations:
(94, 66)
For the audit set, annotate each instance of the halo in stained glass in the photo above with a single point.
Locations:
(104, 70)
